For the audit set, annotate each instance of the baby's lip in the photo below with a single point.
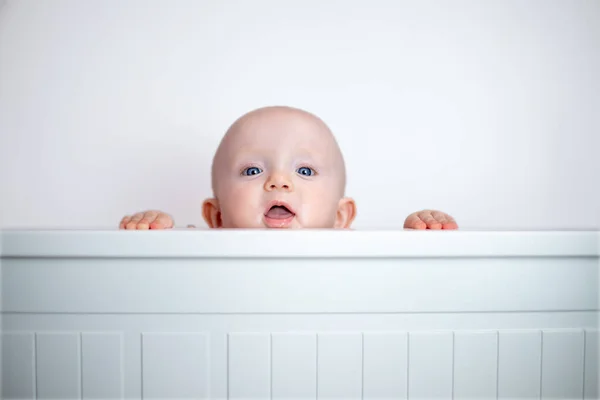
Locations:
(280, 203)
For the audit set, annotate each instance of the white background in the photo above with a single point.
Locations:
(488, 110)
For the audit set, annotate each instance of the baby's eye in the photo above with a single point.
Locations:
(305, 171)
(251, 171)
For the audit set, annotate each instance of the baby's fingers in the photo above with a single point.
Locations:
(124, 222)
(133, 222)
(414, 222)
(148, 218)
(429, 220)
(152, 219)
(446, 221)
(162, 221)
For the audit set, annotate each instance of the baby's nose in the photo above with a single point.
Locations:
(278, 182)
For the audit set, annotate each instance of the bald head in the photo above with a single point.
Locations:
(279, 124)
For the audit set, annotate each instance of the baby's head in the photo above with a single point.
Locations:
(278, 167)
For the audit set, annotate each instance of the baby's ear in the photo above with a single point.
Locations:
(346, 213)
(212, 213)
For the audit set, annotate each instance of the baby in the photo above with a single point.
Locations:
(280, 167)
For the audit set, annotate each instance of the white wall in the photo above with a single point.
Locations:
(489, 110)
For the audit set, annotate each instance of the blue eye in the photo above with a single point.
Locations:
(251, 171)
(306, 171)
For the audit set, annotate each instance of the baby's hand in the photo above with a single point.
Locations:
(430, 219)
(147, 220)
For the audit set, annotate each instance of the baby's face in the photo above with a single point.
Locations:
(279, 169)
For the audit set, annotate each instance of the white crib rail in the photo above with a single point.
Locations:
(300, 314)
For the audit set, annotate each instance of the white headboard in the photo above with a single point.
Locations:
(300, 314)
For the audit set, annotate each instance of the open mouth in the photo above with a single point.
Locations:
(279, 214)
(279, 211)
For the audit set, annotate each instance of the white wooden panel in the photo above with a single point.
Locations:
(591, 364)
(430, 365)
(385, 365)
(18, 368)
(519, 364)
(251, 243)
(175, 365)
(299, 285)
(339, 366)
(102, 367)
(249, 366)
(294, 366)
(58, 365)
(562, 364)
(516, 282)
(475, 365)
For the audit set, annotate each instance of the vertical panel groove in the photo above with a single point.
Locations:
(228, 356)
(497, 364)
(80, 349)
(407, 365)
(541, 362)
(271, 365)
(453, 363)
(362, 367)
(317, 370)
(142, 365)
(584, 360)
(209, 389)
(35, 366)
(122, 365)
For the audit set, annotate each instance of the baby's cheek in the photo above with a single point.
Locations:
(242, 208)
(238, 217)
(319, 213)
